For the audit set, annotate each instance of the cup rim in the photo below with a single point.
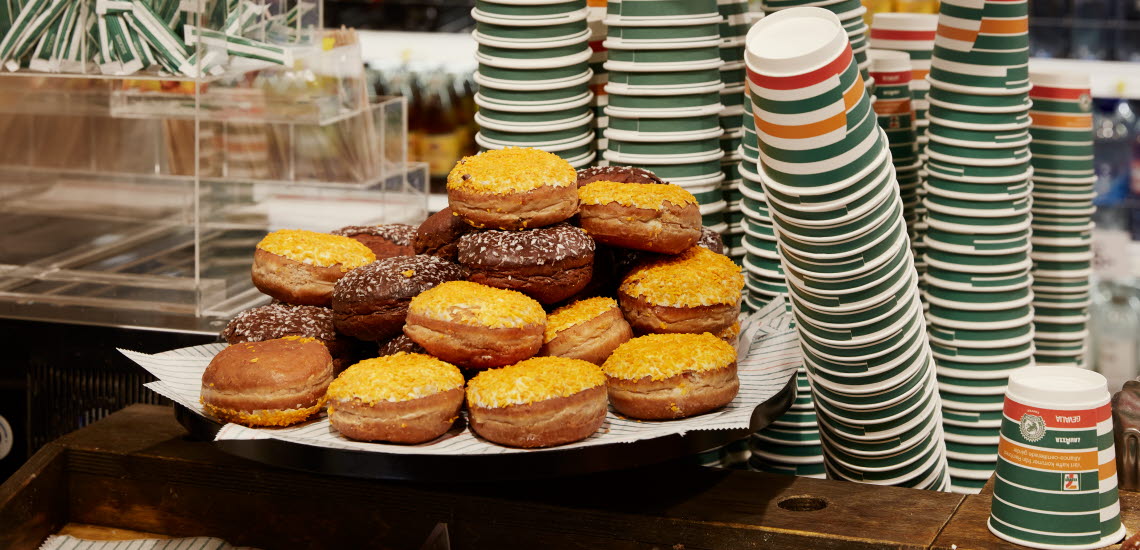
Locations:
(806, 62)
(541, 63)
(661, 137)
(580, 120)
(660, 21)
(494, 42)
(529, 21)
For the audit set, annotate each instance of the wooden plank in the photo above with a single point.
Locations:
(967, 529)
(33, 502)
(99, 532)
(135, 471)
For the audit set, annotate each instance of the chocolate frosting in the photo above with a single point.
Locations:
(399, 278)
(397, 233)
(542, 246)
(620, 174)
(279, 320)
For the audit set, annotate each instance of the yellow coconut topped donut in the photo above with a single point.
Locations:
(637, 195)
(511, 170)
(475, 304)
(319, 249)
(399, 377)
(532, 380)
(661, 356)
(695, 277)
(576, 313)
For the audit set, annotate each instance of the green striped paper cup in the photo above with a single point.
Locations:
(655, 9)
(1056, 471)
(531, 10)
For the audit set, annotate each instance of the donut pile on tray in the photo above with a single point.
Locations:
(538, 298)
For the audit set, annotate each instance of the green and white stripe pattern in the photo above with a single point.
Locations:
(122, 37)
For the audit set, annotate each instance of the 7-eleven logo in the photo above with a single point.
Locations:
(1071, 483)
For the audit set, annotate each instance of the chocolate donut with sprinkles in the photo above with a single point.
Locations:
(620, 174)
(438, 235)
(655, 218)
(371, 302)
(385, 240)
(280, 320)
(513, 188)
(548, 264)
(711, 240)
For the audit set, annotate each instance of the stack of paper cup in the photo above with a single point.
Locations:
(596, 20)
(838, 217)
(763, 271)
(791, 445)
(664, 95)
(732, 32)
(534, 77)
(1056, 483)
(912, 33)
(978, 223)
(850, 14)
(892, 72)
(1062, 147)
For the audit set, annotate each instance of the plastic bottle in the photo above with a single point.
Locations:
(1113, 120)
(1115, 324)
(1134, 196)
(441, 148)
(1093, 35)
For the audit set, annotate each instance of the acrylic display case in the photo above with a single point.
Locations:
(137, 199)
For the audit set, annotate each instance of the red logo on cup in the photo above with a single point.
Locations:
(1071, 483)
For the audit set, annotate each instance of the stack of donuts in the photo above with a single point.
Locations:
(540, 296)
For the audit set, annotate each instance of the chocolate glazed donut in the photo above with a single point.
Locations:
(620, 174)
(438, 234)
(371, 302)
(385, 240)
(548, 264)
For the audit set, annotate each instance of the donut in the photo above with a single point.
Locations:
(402, 398)
(385, 240)
(730, 334)
(589, 330)
(280, 320)
(300, 267)
(711, 240)
(656, 218)
(621, 174)
(371, 302)
(540, 402)
(438, 235)
(513, 188)
(476, 326)
(664, 376)
(398, 344)
(695, 291)
(275, 382)
(548, 264)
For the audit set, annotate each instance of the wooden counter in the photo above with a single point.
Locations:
(137, 473)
